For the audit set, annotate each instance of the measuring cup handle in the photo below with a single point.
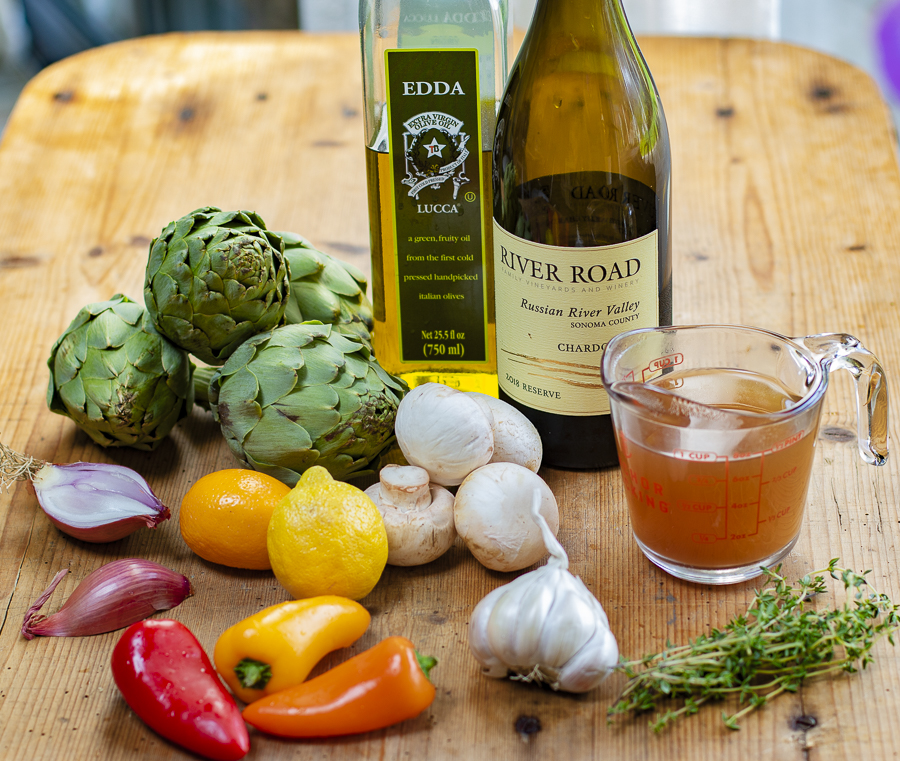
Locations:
(842, 351)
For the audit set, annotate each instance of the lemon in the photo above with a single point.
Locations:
(326, 537)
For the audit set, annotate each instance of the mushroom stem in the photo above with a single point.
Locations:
(418, 515)
(405, 488)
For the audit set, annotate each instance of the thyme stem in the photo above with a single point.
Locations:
(777, 644)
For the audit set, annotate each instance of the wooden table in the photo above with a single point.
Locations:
(786, 208)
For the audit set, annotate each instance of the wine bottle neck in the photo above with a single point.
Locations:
(579, 14)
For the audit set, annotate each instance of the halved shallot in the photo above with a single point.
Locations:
(91, 501)
(114, 596)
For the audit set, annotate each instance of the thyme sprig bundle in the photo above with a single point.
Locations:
(778, 643)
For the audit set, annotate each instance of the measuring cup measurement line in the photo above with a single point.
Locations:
(658, 365)
(716, 427)
(650, 493)
(738, 499)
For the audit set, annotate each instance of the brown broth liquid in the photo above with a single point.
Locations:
(708, 510)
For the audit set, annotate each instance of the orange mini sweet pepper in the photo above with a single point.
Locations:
(382, 686)
(278, 647)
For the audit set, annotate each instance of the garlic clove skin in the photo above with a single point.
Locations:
(515, 437)
(516, 626)
(492, 513)
(591, 664)
(479, 640)
(418, 515)
(443, 431)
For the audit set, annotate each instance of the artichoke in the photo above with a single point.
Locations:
(215, 278)
(304, 395)
(120, 381)
(325, 289)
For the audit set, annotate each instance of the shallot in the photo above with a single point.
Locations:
(92, 501)
(114, 596)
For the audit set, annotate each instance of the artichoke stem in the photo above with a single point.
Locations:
(202, 376)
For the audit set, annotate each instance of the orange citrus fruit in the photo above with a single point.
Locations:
(225, 515)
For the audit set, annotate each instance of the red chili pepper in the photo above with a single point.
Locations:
(377, 688)
(165, 676)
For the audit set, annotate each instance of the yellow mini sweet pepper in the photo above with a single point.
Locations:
(278, 647)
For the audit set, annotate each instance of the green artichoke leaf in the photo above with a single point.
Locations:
(356, 365)
(349, 343)
(211, 303)
(177, 273)
(66, 357)
(344, 380)
(103, 365)
(240, 412)
(285, 475)
(339, 280)
(357, 274)
(349, 402)
(243, 354)
(304, 262)
(145, 353)
(317, 303)
(295, 239)
(72, 396)
(311, 329)
(278, 440)
(277, 378)
(397, 385)
(325, 288)
(107, 330)
(313, 407)
(323, 363)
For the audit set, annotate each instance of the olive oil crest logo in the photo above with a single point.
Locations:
(435, 149)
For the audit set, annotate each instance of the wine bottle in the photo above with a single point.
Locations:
(433, 72)
(581, 183)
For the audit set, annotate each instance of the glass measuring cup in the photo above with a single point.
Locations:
(716, 427)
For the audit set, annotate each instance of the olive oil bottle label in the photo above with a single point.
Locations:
(556, 309)
(434, 129)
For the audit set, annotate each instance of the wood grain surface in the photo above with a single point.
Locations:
(786, 205)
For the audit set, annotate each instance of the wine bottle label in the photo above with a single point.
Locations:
(434, 129)
(557, 307)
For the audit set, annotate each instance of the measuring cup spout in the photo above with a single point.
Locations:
(843, 351)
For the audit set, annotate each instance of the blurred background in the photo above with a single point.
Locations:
(35, 33)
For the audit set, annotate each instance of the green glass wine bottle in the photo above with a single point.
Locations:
(433, 72)
(582, 250)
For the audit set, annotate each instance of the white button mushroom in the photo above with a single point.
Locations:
(444, 431)
(418, 515)
(515, 437)
(493, 515)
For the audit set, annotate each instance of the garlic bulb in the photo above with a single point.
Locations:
(545, 626)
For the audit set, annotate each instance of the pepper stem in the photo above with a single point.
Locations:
(16, 467)
(426, 662)
(254, 675)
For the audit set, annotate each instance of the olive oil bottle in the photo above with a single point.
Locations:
(433, 72)
(582, 251)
